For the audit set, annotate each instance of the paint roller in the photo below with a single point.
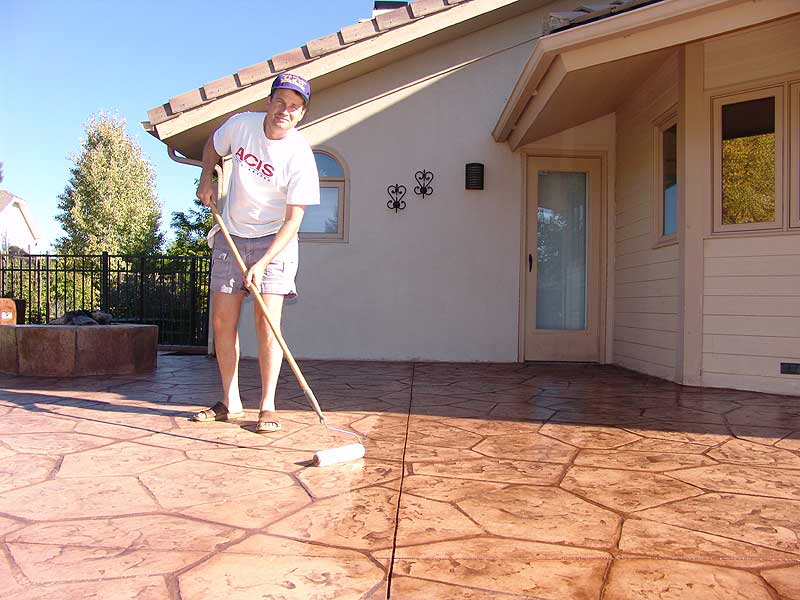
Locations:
(322, 458)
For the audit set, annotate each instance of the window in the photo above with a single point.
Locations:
(327, 220)
(748, 161)
(666, 183)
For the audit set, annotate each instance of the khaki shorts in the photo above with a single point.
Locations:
(227, 276)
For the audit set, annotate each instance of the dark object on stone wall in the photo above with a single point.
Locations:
(83, 317)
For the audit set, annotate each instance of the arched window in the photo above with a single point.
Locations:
(327, 221)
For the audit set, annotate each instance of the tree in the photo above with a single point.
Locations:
(191, 228)
(748, 179)
(110, 203)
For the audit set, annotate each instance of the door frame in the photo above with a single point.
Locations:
(605, 284)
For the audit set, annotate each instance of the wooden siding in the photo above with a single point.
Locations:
(729, 57)
(751, 284)
(751, 312)
(646, 284)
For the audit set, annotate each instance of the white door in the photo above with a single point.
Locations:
(563, 261)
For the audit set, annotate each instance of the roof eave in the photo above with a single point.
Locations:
(618, 37)
(332, 68)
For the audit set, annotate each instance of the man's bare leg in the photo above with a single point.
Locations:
(270, 355)
(225, 319)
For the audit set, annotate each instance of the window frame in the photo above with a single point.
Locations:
(778, 224)
(660, 125)
(794, 155)
(341, 184)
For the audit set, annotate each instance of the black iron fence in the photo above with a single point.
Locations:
(168, 291)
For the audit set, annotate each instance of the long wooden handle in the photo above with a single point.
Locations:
(275, 330)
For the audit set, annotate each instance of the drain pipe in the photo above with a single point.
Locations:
(195, 163)
(218, 170)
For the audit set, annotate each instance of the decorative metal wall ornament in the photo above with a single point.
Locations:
(396, 193)
(424, 179)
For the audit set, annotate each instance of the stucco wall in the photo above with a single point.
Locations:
(440, 279)
(751, 303)
(646, 275)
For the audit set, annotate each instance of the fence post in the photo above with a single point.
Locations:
(193, 299)
(141, 287)
(104, 275)
(47, 286)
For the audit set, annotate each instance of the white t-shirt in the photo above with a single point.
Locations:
(266, 175)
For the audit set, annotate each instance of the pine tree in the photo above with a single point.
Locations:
(110, 203)
(191, 228)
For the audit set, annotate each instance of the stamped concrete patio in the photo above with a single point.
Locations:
(480, 481)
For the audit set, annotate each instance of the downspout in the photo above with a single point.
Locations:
(195, 163)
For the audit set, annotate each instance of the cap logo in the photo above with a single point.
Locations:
(294, 79)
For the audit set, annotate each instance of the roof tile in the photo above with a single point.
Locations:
(254, 73)
(220, 87)
(323, 45)
(287, 60)
(159, 114)
(359, 31)
(313, 49)
(393, 18)
(420, 8)
(186, 101)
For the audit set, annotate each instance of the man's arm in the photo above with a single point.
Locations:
(290, 227)
(206, 189)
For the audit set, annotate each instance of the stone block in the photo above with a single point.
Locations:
(46, 350)
(145, 348)
(8, 349)
(73, 351)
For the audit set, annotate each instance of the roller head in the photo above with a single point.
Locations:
(332, 456)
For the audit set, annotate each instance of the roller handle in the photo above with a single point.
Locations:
(275, 331)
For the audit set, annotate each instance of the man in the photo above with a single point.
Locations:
(274, 176)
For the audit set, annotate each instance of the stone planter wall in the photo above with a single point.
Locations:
(73, 351)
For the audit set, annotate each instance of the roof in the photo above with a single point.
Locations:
(309, 52)
(352, 34)
(590, 65)
(7, 200)
(185, 121)
(591, 11)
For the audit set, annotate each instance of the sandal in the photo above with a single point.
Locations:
(265, 425)
(218, 412)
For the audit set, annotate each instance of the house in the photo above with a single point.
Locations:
(616, 182)
(17, 228)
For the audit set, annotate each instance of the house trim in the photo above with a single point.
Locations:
(632, 36)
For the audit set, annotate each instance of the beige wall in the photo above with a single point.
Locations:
(751, 303)
(751, 320)
(645, 298)
(440, 279)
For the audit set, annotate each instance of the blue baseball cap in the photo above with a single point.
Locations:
(290, 81)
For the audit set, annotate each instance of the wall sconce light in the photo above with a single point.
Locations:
(474, 176)
(424, 179)
(396, 193)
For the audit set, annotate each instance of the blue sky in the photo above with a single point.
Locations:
(60, 62)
